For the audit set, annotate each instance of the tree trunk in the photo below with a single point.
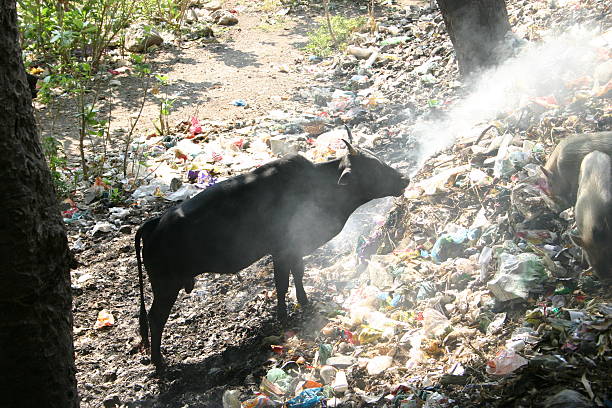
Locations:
(36, 349)
(476, 28)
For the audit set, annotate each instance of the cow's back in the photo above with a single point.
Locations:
(230, 225)
(564, 162)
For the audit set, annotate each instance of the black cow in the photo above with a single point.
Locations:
(286, 208)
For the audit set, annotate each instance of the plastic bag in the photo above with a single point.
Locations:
(307, 398)
(434, 323)
(505, 362)
(517, 275)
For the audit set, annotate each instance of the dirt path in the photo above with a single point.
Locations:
(253, 61)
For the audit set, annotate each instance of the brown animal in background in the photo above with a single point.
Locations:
(563, 166)
(593, 212)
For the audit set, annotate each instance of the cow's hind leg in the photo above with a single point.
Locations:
(163, 300)
(297, 270)
(281, 280)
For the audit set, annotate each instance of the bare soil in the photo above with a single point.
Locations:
(253, 61)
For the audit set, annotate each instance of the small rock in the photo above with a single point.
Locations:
(111, 401)
(212, 5)
(122, 63)
(175, 184)
(345, 348)
(195, 14)
(224, 18)
(125, 229)
(137, 39)
(109, 375)
(266, 342)
(359, 52)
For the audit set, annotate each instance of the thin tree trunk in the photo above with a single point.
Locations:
(36, 349)
(476, 28)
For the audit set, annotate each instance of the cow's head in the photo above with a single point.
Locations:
(596, 244)
(368, 177)
(554, 188)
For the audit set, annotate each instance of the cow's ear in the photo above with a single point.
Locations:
(352, 151)
(576, 239)
(345, 177)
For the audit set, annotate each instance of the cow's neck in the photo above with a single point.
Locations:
(339, 198)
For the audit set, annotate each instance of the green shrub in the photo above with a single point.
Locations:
(320, 41)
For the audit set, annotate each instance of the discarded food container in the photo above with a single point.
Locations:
(328, 374)
(340, 383)
(105, 319)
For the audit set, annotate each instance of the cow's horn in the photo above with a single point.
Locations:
(350, 148)
(350, 135)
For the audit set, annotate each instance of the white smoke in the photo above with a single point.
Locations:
(539, 70)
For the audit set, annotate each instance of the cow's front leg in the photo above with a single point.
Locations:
(297, 270)
(281, 280)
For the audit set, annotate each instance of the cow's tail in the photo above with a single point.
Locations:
(143, 319)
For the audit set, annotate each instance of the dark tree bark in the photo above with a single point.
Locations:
(476, 28)
(36, 350)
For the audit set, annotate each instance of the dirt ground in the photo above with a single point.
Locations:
(254, 61)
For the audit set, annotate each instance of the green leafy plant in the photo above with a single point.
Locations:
(165, 106)
(168, 12)
(58, 165)
(321, 41)
(116, 196)
(63, 32)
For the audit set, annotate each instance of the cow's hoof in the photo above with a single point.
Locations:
(281, 313)
(303, 301)
(158, 362)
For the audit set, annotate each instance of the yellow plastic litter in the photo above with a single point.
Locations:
(402, 316)
(369, 335)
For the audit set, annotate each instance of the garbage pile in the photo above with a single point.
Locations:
(483, 294)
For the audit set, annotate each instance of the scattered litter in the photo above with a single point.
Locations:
(105, 319)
